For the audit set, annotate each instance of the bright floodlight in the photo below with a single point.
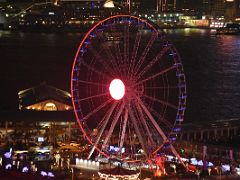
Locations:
(117, 89)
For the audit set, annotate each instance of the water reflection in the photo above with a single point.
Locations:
(211, 65)
(212, 68)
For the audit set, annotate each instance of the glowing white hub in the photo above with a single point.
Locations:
(117, 89)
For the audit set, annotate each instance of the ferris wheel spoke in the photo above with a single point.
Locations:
(95, 70)
(134, 52)
(156, 75)
(145, 52)
(118, 53)
(153, 61)
(106, 119)
(92, 83)
(112, 59)
(101, 60)
(126, 43)
(160, 118)
(106, 48)
(114, 122)
(144, 123)
(97, 109)
(94, 96)
(142, 142)
(125, 119)
(99, 126)
(161, 87)
(160, 101)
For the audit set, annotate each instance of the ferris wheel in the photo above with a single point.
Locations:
(128, 89)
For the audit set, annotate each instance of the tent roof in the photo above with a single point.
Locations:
(118, 171)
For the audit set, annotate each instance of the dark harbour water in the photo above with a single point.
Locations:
(212, 68)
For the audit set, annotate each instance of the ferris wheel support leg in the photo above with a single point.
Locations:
(138, 131)
(114, 122)
(159, 148)
(144, 123)
(152, 120)
(124, 129)
(165, 139)
(178, 156)
(101, 131)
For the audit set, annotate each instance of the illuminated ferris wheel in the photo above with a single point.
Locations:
(128, 89)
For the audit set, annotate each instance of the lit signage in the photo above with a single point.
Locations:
(40, 139)
(116, 149)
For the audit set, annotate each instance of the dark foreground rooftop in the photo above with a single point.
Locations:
(32, 115)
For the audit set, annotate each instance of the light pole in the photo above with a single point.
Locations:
(140, 170)
(129, 6)
(72, 173)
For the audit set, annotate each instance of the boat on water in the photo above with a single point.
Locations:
(230, 29)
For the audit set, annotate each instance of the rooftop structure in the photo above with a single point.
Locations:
(118, 173)
(44, 98)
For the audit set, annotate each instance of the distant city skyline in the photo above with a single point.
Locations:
(215, 7)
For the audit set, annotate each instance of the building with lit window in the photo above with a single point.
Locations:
(232, 10)
(218, 8)
(44, 111)
(44, 98)
(166, 5)
(68, 15)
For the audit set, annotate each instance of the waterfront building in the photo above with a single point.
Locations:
(220, 137)
(232, 10)
(44, 98)
(166, 5)
(171, 5)
(206, 7)
(186, 6)
(139, 6)
(68, 15)
(44, 112)
(218, 9)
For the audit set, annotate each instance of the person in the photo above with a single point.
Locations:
(197, 172)
(57, 159)
(209, 171)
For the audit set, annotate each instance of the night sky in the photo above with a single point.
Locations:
(28, 59)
